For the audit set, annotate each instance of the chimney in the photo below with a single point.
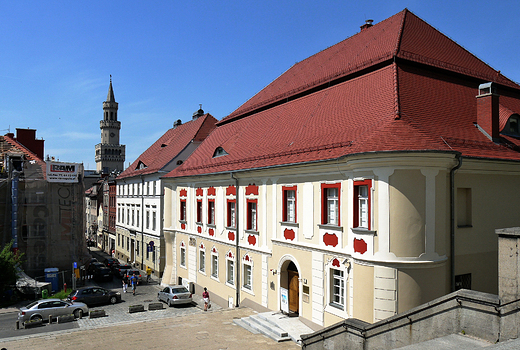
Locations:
(368, 24)
(198, 114)
(27, 137)
(487, 111)
(177, 123)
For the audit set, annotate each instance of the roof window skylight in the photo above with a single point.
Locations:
(219, 152)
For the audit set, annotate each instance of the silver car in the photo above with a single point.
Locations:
(175, 295)
(42, 309)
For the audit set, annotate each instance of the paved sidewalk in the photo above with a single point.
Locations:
(203, 330)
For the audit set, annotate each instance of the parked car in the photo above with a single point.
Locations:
(94, 295)
(109, 262)
(137, 273)
(121, 269)
(103, 274)
(175, 295)
(42, 309)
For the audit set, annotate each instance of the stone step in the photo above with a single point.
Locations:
(266, 328)
(240, 322)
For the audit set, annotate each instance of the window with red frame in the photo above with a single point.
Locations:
(211, 212)
(231, 213)
(330, 208)
(362, 204)
(183, 210)
(199, 210)
(289, 204)
(251, 215)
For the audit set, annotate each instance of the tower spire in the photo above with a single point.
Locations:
(110, 96)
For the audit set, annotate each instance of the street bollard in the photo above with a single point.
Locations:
(50, 319)
(17, 324)
(65, 287)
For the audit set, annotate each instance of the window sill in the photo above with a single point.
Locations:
(215, 278)
(252, 232)
(230, 285)
(363, 231)
(247, 290)
(202, 272)
(330, 227)
(336, 310)
(289, 223)
(231, 228)
(211, 226)
(183, 221)
(183, 266)
(199, 223)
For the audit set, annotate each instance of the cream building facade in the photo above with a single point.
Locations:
(366, 180)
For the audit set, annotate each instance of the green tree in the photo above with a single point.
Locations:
(9, 262)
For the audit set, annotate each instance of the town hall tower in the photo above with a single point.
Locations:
(110, 155)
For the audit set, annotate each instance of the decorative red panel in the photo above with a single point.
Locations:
(246, 258)
(330, 239)
(251, 239)
(183, 193)
(231, 236)
(335, 262)
(199, 229)
(252, 189)
(231, 191)
(211, 232)
(182, 244)
(289, 234)
(214, 250)
(360, 246)
(211, 191)
(202, 246)
(199, 192)
(183, 226)
(230, 255)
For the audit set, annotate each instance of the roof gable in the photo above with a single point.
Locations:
(170, 145)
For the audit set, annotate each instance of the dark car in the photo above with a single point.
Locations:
(121, 269)
(109, 262)
(93, 267)
(103, 274)
(131, 272)
(94, 295)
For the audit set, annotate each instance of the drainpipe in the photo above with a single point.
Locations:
(237, 248)
(452, 219)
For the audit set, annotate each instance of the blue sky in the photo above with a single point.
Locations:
(167, 57)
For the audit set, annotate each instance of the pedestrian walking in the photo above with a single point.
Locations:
(148, 274)
(134, 281)
(207, 302)
(125, 283)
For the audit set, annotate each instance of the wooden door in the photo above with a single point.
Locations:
(294, 291)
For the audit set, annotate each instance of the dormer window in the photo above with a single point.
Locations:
(512, 126)
(219, 152)
(140, 166)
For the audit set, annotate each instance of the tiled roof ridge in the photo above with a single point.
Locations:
(273, 155)
(166, 139)
(26, 151)
(319, 82)
(451, 67)
(22, 148)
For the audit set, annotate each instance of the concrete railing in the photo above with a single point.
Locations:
(468, 312)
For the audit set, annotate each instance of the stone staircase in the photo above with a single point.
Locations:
(275, 325)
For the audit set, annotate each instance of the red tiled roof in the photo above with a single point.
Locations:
(168, 146)
(28, 154)
(403, 35)
(395, 106)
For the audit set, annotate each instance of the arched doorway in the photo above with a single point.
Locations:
(294, 288)
(290, 284)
